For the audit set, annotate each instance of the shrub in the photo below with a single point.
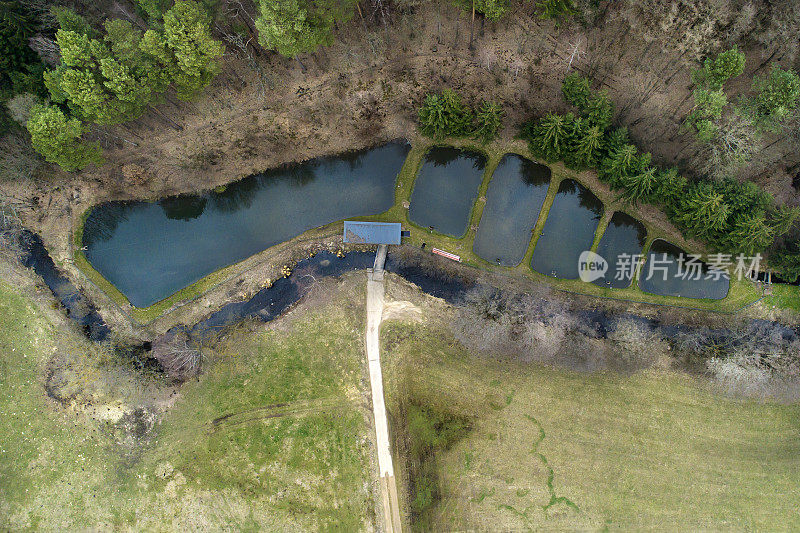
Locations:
(637, 346)
(178, 356)
(443, 115)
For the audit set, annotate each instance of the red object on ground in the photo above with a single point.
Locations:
(448, 255)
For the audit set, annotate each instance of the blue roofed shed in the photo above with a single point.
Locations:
(371, 232)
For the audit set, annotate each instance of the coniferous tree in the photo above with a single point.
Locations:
(292, 27)
(549, 137)
(58, 139)
(488, 120)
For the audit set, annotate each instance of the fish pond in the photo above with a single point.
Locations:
(513, 201)
(621, 246)
(668, 272)
(446, 189)
(151, 250)
(568, 231)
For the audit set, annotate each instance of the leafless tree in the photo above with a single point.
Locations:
(10, 230)
(179, 357)
(576, 53)
(242, 48)
(735, 144)
(488, 56)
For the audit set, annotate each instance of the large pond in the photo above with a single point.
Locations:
(666, 274)
(621, 246)
(446, 189)
(151, 250)
(568, 231)
(515, 197)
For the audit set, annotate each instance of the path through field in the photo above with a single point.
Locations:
(391, 509)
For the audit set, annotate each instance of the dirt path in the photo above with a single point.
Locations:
(391, 508)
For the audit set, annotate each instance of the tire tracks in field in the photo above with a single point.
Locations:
(277, 410)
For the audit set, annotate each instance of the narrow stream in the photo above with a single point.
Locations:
(76, 305)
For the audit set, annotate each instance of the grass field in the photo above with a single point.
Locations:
(554, 449)
(272, 436)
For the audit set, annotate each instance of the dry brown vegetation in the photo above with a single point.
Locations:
(264, 110)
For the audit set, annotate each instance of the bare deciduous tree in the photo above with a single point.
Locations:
(178, 356)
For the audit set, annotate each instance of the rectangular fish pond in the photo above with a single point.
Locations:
(623, 239)
(661, 275)
(446, 189)
(568, 231)
(513, 201)
(150, 250)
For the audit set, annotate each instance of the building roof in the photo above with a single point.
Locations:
(371, 232)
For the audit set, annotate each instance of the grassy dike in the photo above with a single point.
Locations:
(740, 295)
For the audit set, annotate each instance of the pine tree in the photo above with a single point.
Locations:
(576, 91)
(618, 165)
(704, 212)
(638, 187)
(750, 233)
(549, 137)
(188, 36)
(599, 110)
(669, 189)
(443, 115)
(586, 147)
(555, 9)
(292, 27)
(58, 139)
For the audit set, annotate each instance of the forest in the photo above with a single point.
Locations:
(705, 129)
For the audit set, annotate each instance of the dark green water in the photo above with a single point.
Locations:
(623, 239)
(513, 201)
(662, 269)
(568, 231)
(446, 189)
(151, 250)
